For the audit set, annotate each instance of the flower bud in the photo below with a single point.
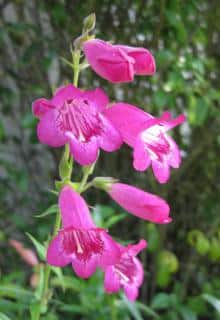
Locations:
(27, 255)
(104, 183)
(89, 22)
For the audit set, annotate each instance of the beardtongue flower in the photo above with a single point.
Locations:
(142, 204)
(79, 241)
(76, 117)
(27, 255)
(127, 273)
(148, 137)
(118, 63)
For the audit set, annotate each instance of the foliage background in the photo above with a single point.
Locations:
(182, 264)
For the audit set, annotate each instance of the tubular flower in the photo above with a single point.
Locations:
(142, 204)
(27, 255)
(127, 273)
(118, 63)
(79, 241)
(76, 117)
(148, 137)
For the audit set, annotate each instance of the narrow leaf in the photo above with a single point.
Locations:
(4, 316)
(132, 307)
(41, 250)
(213, 301)
(147, 310)
(52, 209)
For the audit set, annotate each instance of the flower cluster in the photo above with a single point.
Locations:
(86, 121)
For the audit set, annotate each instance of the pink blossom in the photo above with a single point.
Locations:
(142, 204)
(148, 137)
(76, 117)
(118, 63)
(79, 241)
(127, 273)
(27, 255)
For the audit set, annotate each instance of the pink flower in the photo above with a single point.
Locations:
(118, 63)
(76, 117)
(27, 255)
(79, 241)
(142, 204)
(148, 137)
(127, 273)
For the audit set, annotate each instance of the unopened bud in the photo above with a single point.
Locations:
(104, 183)
(89, 23)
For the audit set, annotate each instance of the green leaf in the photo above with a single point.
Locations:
(186, 313)
(114, 219)
(52, 209)
(214, 251)
(198, 110)
(167, 260)
(163, 301)
(160, 99)
(66, 165)
(132, 307)
(69, 283)
(147, 310)
(4, 316)
(198, 240)
(153, 237)
(163, 277)
(28, 121)
(58, 272)
(40, 287)
(34, 310)
(7, 305)
(15, 292)
(41, 250)
(213, 301)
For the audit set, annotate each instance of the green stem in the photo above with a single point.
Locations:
(44, 299)
(88, 170)
(47, 270)
(76, 68)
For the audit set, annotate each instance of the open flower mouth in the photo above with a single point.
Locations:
(125, 269)
(82, 243)
(79, 117)
(155, 143)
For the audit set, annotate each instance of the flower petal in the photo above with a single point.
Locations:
(174, 122)
(98, 97)
(111, 252)
(141, 158)
(111, 281)
(74, 210)
(175, 157)
(85, 153)
(109, 62)
(161, 170)
(109, 139)
(142, 204)
(135, 249)
(128, 119)
(131, 291)
(65, 93)
(41, 106)
(139, 278)
(48, 132)
(144, 60)
(55, 256)
(84, 269)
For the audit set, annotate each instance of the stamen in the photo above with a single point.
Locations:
(155, 142)
(126, 268)
(79, 117)
(82, 243)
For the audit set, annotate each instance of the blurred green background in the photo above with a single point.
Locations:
(182, 278)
